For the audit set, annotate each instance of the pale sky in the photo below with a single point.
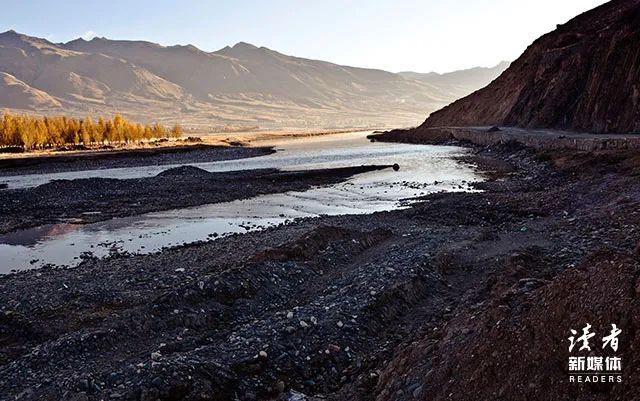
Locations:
(395, 35)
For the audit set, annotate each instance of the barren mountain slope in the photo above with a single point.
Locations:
(460, 83)
(67, 74)
(16, 94)
(584, 76)
(248, 70)
(198, 72)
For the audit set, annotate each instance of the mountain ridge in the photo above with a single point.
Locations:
(460, 83)
(237, 85)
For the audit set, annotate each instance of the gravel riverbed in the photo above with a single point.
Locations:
(400, 305)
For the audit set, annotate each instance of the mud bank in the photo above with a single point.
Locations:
(464, 296)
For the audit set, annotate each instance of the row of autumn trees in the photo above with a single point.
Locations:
(32, 132)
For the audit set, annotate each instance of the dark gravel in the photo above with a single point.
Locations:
(382, 306)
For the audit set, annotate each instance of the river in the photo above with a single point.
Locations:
(423, 169)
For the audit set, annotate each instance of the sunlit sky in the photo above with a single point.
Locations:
(395, 35)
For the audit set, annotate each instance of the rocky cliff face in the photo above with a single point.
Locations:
(583, 76)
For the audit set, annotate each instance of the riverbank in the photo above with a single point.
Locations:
(123, 158)
(201, 147)
(208, 147)
(409, 304)
(270, 138)
(537, 139)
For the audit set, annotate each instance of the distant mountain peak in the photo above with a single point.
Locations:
(103, 39)
(20, 40)
(500, 66)
(75, 41)
(244, 45)
(242, 50)
(11, 34)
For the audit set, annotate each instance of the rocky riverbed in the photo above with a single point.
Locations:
(462, 296)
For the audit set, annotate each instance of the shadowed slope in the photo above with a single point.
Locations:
(585, 76)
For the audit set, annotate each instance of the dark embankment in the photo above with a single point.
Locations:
(463, 296)
(96, 199)
(159, 156)
(539, 139)
(584, 76)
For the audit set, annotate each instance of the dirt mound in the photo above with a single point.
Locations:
(516, 345)
(185, 171)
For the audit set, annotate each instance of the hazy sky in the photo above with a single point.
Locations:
(396, 35)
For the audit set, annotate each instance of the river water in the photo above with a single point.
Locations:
(423, 169)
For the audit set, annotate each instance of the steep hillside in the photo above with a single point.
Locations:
(583, 76)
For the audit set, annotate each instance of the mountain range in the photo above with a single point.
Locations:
(237, 86)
